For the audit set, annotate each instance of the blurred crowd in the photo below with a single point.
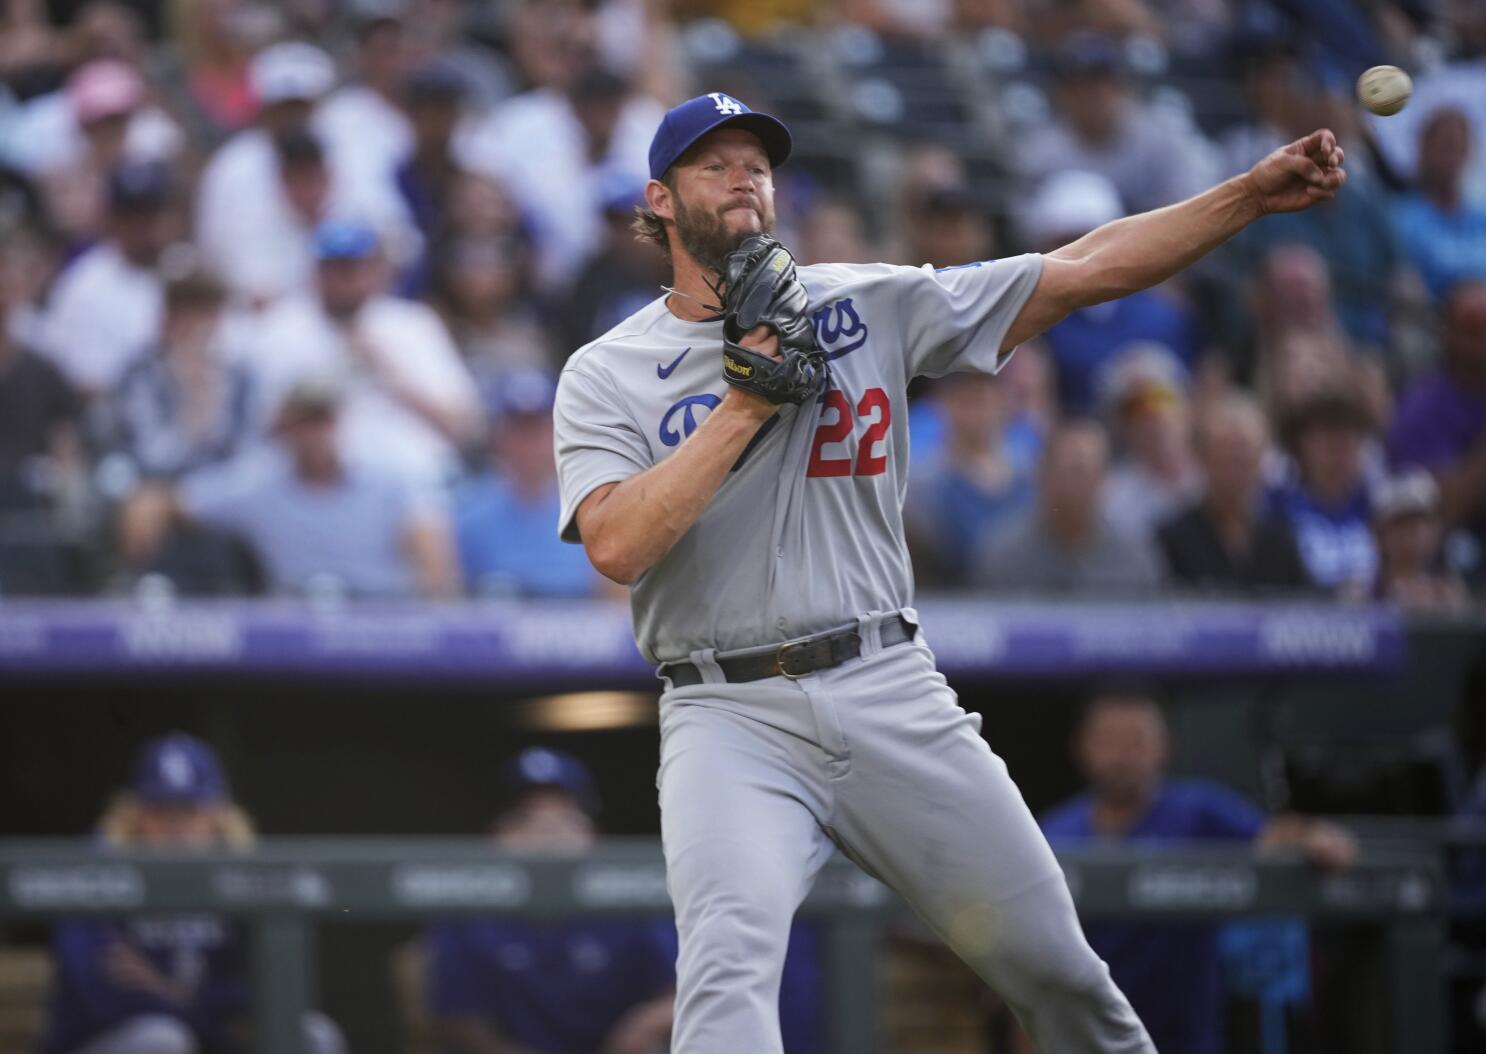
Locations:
(285, 287)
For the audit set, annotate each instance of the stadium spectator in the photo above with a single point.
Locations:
(319, 522)
(263, 191)
(1460, 84)
(1066, 207)
(1172, 972)
(1227, 540)
(1411, 567)
(1063, 544)
(1326, 502)
(434, 96)
(554, 150)
(184, 403)
(498, 985)
(503, 517)
(363, 124)
(970, 485)
(549, 987)
(1354, 235)
(947, 228)
(1441, 420)
(1442, 230)
(163, 984)
(621, 277)
(1276, 86)
(1102, 127)
(411, 404)
(1156, 473)
(479, 287)
(105, 308)
(551, 42)
(833, 232)
(71, 139)
(216, 40)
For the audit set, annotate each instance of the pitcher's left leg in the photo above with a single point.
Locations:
(929, 809)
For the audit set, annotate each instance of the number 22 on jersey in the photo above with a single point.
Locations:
(876, 409)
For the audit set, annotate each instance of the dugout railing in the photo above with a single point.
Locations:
(284, 890)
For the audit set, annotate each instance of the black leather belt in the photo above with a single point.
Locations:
(798, 658)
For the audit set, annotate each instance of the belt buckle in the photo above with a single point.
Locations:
(782, 658)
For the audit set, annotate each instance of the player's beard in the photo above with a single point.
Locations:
(705, 236)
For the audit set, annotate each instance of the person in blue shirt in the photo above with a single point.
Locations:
(974, 482)
(519, 986)
(1326, 504)
(1067, 206)
(1172, 973)
(1442, 230)
(163, 984)
(586, 986)
(503, 517)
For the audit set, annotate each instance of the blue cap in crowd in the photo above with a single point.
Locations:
(687, 123)
(178, 770)
(521, 393)
(345, 240)
(538, 768)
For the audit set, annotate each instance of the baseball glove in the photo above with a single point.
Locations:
(762, 289)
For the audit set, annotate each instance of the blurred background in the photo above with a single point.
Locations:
(285, 288)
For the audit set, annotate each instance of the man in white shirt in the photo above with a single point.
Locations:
(362, 123)
(246, 226)
(106, 307)
(250, 228)
(555, 150)
(410, 402)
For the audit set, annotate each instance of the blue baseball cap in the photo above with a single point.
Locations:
(178, 770)
(521, 393)
(685, 124)
(538, 768)
(345, 240)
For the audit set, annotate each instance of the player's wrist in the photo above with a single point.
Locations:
(746, 405)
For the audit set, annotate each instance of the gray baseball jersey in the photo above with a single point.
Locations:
(807, 530)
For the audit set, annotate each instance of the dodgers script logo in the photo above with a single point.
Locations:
(725, 103)
(690, 417)
(839, 329)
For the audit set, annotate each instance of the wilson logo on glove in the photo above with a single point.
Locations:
(736, 368)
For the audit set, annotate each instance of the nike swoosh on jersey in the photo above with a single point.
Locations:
(665, 371)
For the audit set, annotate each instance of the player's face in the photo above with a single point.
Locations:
(546, 821)
(1122, 751)
(724, 192)
(176, 826)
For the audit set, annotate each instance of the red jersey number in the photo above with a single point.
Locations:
(875, 408)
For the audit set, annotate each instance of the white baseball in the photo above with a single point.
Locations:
(1384, 90)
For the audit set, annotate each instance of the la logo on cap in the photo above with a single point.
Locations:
(176, 768)
(726, 104)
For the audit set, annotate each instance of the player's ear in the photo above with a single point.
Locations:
(660, 200)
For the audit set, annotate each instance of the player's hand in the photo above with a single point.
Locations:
(765, 341)
(1329, 846)
(1298, 176)
(644, 1030)
(129, 968)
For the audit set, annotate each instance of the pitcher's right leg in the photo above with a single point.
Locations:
(738, 819)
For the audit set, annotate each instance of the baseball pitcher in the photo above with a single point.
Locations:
(737, 453)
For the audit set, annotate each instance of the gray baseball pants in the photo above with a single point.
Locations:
(760, 782)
